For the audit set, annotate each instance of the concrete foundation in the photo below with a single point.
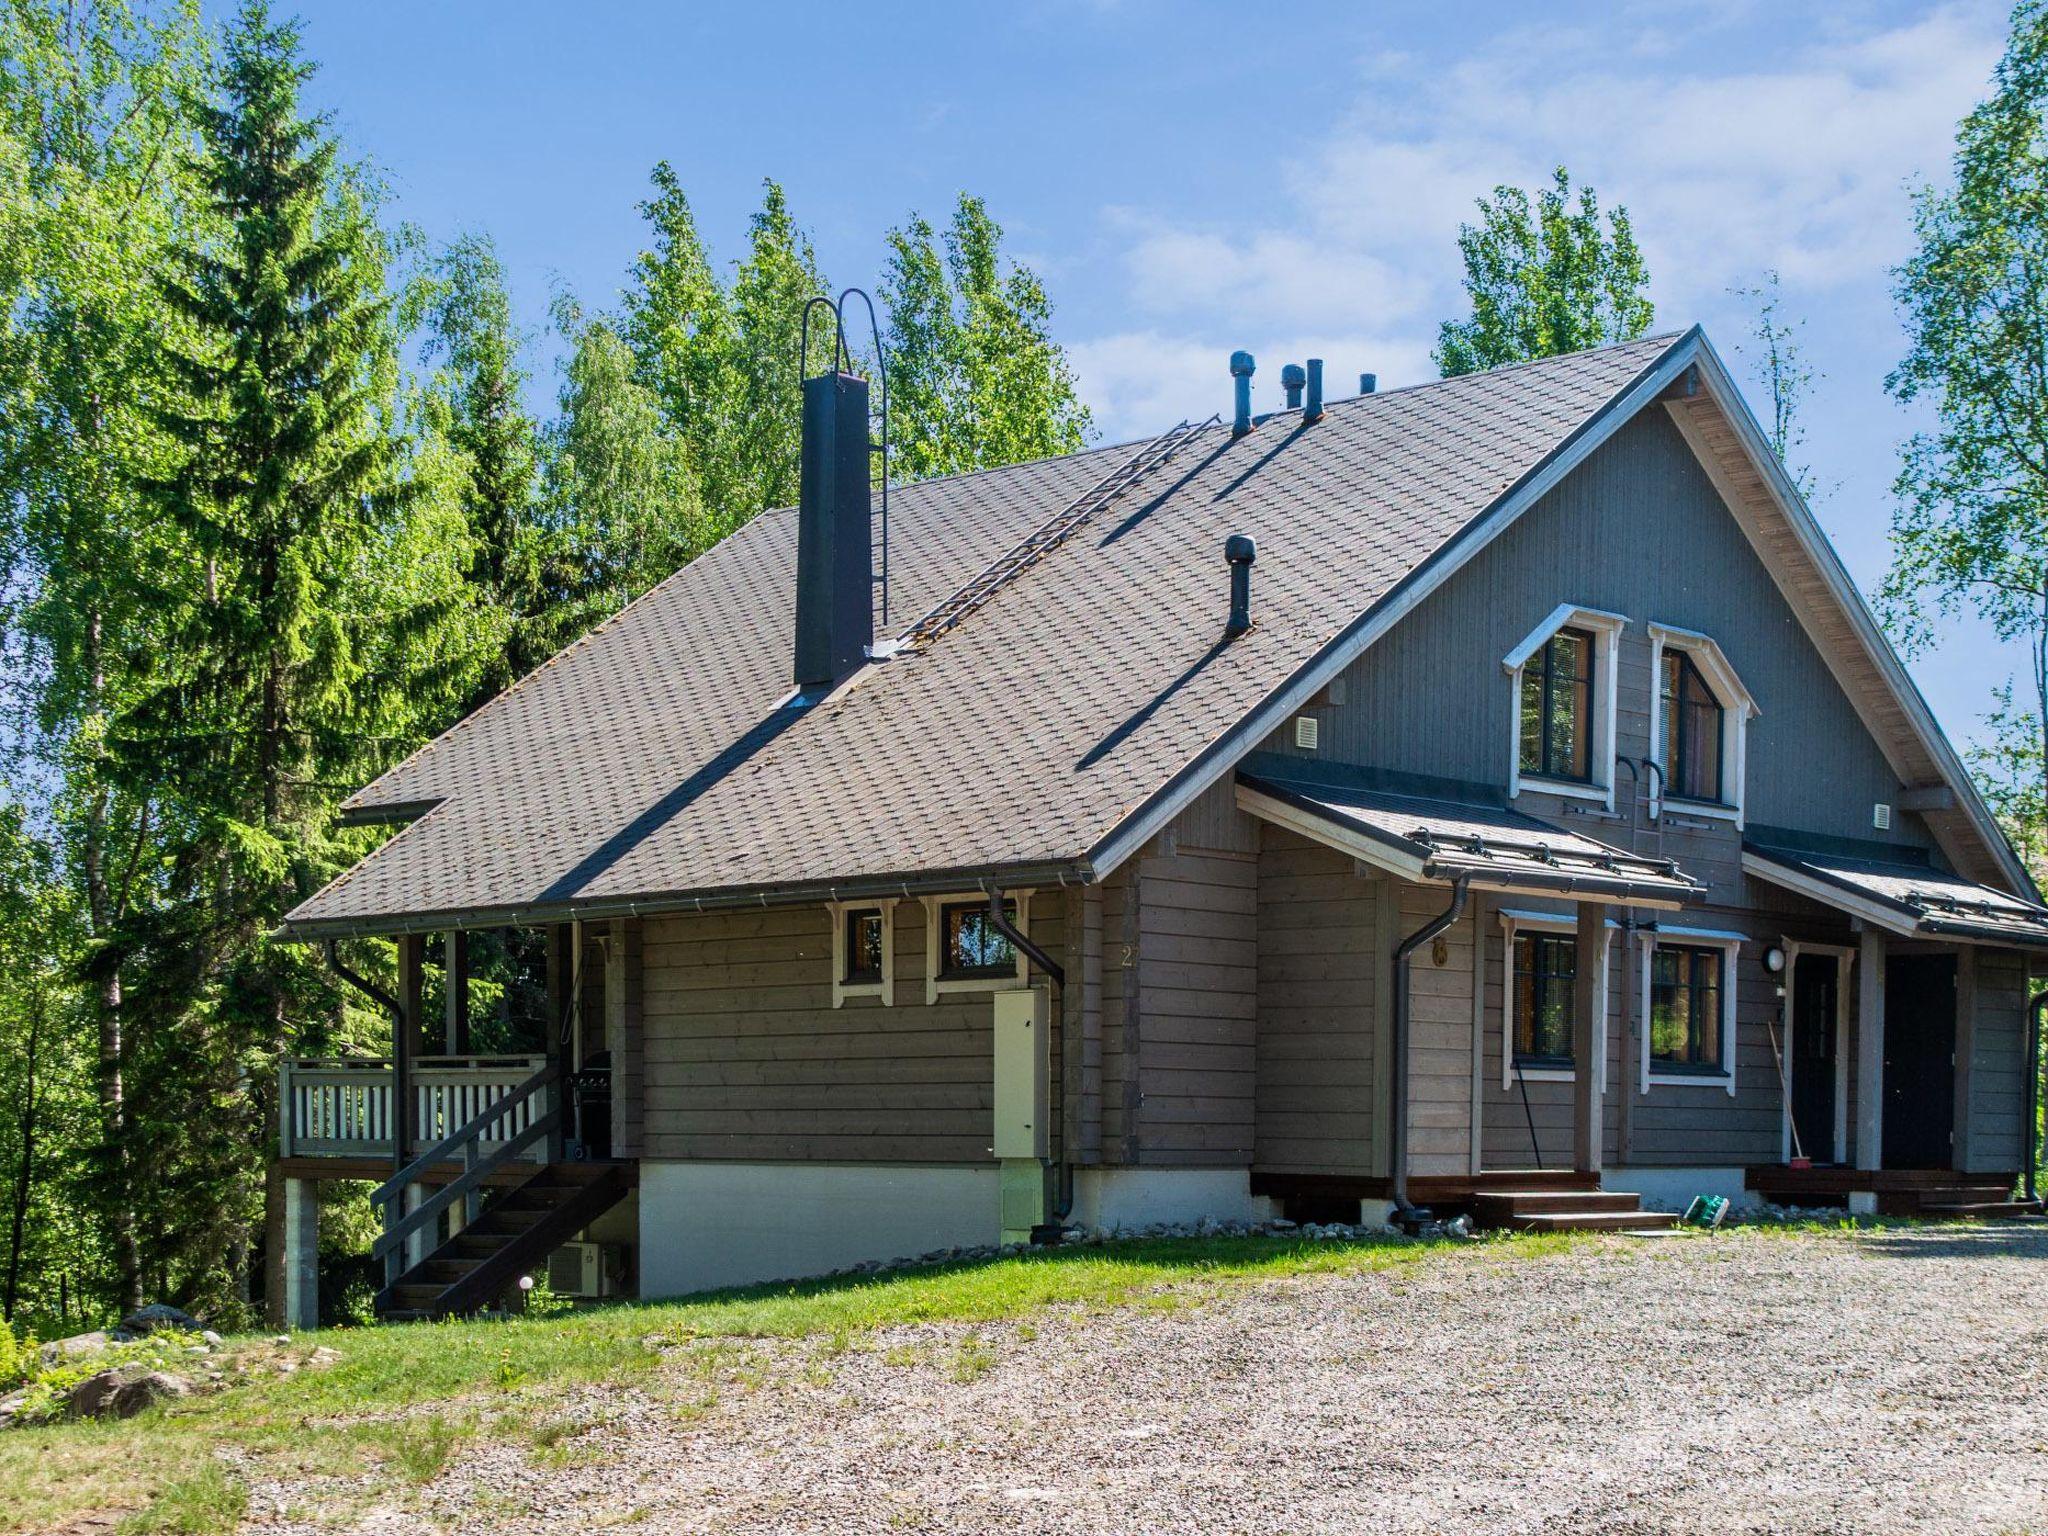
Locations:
(709, 1224)
(1110, 1198)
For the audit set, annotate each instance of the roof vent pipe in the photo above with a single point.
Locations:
(1313, 410)
(1240, 550)
(1368, 382)
(1291, 380)
(1241, 366)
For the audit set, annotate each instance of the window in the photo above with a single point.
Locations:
(964, 952)
(1546, 965)
(1699, 724)
(1686, 1008)
(971, 946)
(1691, 724)
(863, 962)
(1557, 708)
(863, 951)
(1561, 705)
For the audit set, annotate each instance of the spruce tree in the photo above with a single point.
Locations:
(286, 489)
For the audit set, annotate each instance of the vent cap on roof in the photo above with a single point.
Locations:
(1241, 369)
(835, 616)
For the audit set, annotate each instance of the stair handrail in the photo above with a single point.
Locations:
(471, 1130)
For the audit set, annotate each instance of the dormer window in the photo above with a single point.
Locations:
(1563, 694)
(1557, 708)
(1692, 725)
(1699, 724)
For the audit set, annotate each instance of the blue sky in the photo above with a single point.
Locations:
(1190, 178)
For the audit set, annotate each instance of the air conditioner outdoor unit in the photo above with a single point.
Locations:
(581, 1269)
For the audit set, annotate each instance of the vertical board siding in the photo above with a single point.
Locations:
(744, 1055)
(629, 1068)
(1318, 942)
(1197, 974)
(1638, 529)
(1997, 1084)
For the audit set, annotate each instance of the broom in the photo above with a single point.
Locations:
(1799, 1157)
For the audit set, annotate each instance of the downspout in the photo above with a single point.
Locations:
(1063, 1167)
(2035, 1005)
(1397, 1060)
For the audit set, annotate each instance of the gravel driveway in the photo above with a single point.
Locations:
(1747, 1382)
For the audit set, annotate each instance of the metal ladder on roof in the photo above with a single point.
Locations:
(1049, 535)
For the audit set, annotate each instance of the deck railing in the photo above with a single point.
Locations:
(341, 1106)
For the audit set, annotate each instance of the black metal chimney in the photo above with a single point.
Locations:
(835, 619)
(1240, 550)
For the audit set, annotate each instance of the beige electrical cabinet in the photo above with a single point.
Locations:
(1023, 1071)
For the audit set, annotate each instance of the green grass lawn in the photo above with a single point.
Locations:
(401, 1400)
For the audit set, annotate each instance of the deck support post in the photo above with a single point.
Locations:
(301, 1254)
(1870, 976)
(416, 1240)
(1586, 1041)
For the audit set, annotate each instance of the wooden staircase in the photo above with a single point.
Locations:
(1971, 1199)
(1539, 1201)
(512, 1236)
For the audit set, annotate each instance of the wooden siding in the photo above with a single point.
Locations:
(1638, 529)
(1197, 971)
(1991, 1135)
(1439, 1038)
(1319, 971)
(745, 1056)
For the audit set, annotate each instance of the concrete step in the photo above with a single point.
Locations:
(1593, 1221)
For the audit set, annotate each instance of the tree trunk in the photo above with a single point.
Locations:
(24, 1176)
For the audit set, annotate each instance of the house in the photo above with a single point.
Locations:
(1492, 792)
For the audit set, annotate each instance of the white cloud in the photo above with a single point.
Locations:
(1798, 161)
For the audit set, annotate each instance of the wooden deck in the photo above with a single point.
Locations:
(1940, 1193)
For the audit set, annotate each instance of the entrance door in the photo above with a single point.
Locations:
(1919, 1060)
(1816, 984)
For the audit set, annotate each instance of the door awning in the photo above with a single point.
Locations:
(1902, 898)
(1495, 849)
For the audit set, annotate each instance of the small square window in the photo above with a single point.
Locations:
(970, 946)
(863, 947)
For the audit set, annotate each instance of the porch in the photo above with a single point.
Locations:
(1935, 1193)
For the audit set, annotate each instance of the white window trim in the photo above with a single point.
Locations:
(1737, 708)
(1607, 627)
(1845, 967)
(1512, 921)
(1730, 944)
(842, 989)
(934, 987)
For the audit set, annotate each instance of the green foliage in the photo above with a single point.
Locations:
(1970, 534)
(270, 518)
(49, 1386)
(207, 1501)
(975, 379)
(1545, 277)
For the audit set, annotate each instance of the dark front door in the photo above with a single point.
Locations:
(1919, 1060)
(1815, 987)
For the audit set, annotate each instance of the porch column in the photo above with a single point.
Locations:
(405, 1044)
(301, 1254)
(455, 978)
(1586, 1041)
(1870, 958)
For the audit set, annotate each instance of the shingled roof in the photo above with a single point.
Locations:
(654, 763)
